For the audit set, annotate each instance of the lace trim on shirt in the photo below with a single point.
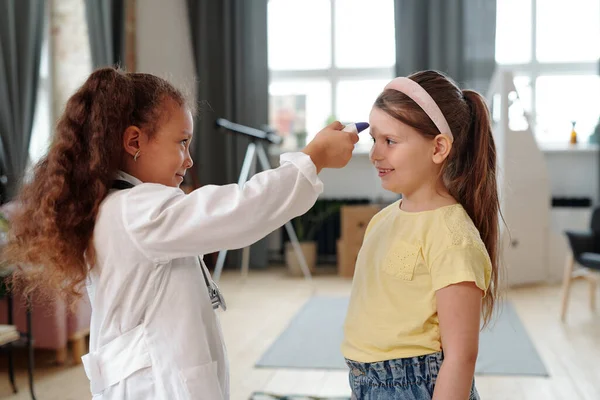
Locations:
(462, 230)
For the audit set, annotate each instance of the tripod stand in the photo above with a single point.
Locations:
(256, 149)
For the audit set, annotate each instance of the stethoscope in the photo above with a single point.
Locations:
(216, 297)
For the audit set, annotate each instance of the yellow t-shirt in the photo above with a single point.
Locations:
(404, 259)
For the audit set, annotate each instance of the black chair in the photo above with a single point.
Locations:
(585, 251)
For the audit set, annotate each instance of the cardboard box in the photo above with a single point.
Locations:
(354, 222)
(347, 253)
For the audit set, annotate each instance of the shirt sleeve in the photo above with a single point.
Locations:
(461, 264)
(166, 223)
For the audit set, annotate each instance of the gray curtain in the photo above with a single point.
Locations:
(229, 39)
(457, 37)
(21, 35)
(106, 30)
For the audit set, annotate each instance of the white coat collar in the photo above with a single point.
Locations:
(124, 176)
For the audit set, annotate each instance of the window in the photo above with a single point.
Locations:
(553, 49)
(41, 131)
(42, 127)
(328, 59)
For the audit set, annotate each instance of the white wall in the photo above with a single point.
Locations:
(163, 42)
(71, 60)
(163, 45)
(574, 173)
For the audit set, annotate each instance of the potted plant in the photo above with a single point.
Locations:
(306, 227)
(301, 137)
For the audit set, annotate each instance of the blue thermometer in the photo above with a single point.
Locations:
(357, 127)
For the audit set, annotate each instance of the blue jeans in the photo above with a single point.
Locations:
(400, 379)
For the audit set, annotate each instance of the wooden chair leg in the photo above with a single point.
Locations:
(567, 278)
(79, 349)
(11, 371)
(593, 287)
(61, 356)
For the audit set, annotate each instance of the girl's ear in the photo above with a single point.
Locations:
(132, 140)
(442, 146)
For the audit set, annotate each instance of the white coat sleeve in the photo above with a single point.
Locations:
(166, 223)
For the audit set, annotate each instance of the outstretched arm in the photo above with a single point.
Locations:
(167, 224)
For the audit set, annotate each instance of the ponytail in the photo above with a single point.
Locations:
(473, 184)
(51, 232)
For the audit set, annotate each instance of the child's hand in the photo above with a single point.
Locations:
(331, 147)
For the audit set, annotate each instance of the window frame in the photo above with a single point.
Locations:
(333, 74)
(45, 90)
(535, 69)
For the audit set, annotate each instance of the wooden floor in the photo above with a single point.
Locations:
(261, 307)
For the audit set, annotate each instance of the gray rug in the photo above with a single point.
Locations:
(312, 340)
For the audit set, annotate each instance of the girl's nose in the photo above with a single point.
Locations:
(375, 154)
(188, 162)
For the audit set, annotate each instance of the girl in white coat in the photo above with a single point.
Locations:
(154, 333)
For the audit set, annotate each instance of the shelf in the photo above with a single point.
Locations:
(20, 343)
(569, 148)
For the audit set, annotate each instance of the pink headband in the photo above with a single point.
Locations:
(420, 96)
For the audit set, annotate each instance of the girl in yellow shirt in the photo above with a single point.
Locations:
(427, 272)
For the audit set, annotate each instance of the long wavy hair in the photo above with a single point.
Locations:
(50, 236)
(469, 172)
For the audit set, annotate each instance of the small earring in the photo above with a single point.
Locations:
(137, 154)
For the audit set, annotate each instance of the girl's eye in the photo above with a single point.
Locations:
(184, 142)
(387, 141)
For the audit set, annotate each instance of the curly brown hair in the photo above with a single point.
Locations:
(50, 238)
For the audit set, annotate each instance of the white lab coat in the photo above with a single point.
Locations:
(154, 333)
